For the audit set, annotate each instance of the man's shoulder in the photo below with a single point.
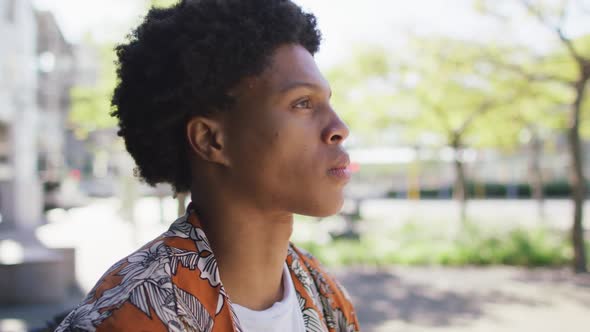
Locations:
(137, 287)
(128, 289)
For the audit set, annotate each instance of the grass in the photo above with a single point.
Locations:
(416, 244)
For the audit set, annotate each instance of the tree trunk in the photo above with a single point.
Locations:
(460, 187)
(535, 173)
(577, 179)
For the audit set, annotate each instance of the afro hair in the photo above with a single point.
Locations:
(182, 61)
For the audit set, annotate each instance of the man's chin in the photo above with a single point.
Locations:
(324, 210)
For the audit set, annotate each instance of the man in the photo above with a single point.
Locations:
(223, 98)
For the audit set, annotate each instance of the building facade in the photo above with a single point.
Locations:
(33, 104)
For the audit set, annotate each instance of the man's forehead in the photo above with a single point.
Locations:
(292, 62)
(291, 66)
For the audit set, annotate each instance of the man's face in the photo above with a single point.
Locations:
(284, 139)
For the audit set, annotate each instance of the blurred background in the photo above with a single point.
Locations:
(470, 147)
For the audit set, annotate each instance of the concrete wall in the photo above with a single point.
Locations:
(20, 194)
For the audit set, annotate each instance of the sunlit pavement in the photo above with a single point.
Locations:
(397, 299)
(497, 299)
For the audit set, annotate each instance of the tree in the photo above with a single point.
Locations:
(454, 92)
(529, 120)
(363, 91)
(574, 73)
(91, 104)
(443, 88)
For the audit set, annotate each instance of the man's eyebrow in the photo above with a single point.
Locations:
(302, 84)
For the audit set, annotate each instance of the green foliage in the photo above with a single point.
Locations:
(487, 94)
(548, 75)
(162, 3)
(461, 96)
(416, 244)
(362, 92)
(91, 105)
(447, 88)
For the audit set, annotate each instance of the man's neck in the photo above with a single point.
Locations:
(250, 248)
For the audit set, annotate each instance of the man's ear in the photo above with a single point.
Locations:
(206, 139)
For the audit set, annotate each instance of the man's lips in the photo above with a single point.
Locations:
(342, 167)
(342, 162)
(343, 173)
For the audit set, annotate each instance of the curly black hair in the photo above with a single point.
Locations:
(182, 61)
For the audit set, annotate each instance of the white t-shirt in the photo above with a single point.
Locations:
(284, 316)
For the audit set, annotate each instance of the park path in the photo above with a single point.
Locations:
(486, 299)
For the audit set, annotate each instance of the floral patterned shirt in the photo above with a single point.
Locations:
(172, 284)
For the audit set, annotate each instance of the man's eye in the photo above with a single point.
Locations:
(304, 104)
